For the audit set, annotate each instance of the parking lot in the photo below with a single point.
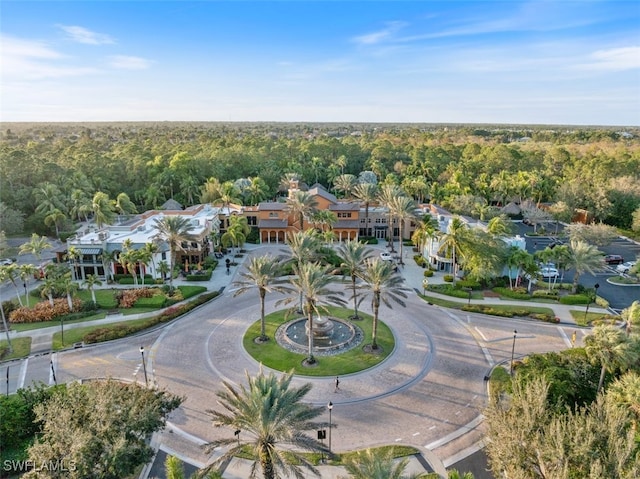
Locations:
(619, 297)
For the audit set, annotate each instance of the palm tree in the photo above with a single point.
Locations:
(404, 208)
(5, 325)
(49, 286)
(124, 205)
(163, 269)
(108, 258)
(69, 286)
(262, 273)
(426, 229)
(256, 191)
(91, 282)
(631, 315)
(625, 391)
(174, 230)
(345, 183)
(303, 247)
(268, 414)
(367, 193)
(103, 208)
(147, 254)
(55, 218)
(611, 348)
(128, 258)
(353, 255)
(454, 242)
(517, 258)
(454, 474)
(12, 272)
(36, 245)
(80, 205)
(584, 257)
(300, 204)
(49, 198)
(387, 196)
(370, 464)
(384, 285)
(73, 255)
(26, 272)
(312, 281)
(499, 226)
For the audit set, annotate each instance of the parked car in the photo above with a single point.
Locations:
(6, 261)
(386, 256)
(549, 272)
(613, 259)
(625, 267)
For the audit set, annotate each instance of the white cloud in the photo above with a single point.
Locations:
(613, 59)
(125, 62)
(381, 35)
(30, 59)
(83, 35)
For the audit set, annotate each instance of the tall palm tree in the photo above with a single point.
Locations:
(148, 253)
(26, 273)
(103, 209)
(353, 255)
(174, 230)
(272, 421)
(631, 315)
(55, 218)
(108, 258)
(404, 209)
(5, 325)
(345, 183)
(367, 193)
(387, 196)
(517, 258)
(69, 286)
(611, 348)
(257, 191)
(427, 229)
(262, 273)
(91, 282)
(312, 281)
(384, 285)
(73, 255)
(303, 247)
(371, 464)
(454, 242)
(36, 246)
(584, 257)
(626, 392)
(301, 205)
(12, 272)
(124, 205)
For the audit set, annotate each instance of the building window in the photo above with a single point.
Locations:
(273, 215)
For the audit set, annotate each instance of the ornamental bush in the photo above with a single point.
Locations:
(448, 278)
(43, 311)
(516, 293)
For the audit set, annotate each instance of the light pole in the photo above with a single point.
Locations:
(513, 349)
(144, 367)
(330, 407)
(595, 295)
(468, 290)
(237, 434)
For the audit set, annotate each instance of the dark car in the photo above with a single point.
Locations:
(613, 259)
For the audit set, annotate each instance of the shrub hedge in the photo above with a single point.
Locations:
(122, 330)
(575, 299)
(516, 293)
(448, 278)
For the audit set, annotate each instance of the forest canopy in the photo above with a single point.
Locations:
(50, 173)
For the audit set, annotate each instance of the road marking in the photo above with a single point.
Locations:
(398, 439)
(432, 427)
(456, 434)
(23, 374)
(565, 338)
(480, 333)
(416, 434)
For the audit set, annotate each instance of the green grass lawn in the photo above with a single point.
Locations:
(272, 355)
(21, 348)
(500, 307)
(580, 320)
(76, 335)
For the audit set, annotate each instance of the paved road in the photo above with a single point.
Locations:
(429, 394)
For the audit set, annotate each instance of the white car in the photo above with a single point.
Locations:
(625, 267)
(549, 272)
(6, 261)
(386, 256)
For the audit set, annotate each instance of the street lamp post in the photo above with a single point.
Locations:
(513, 349)
(595, 295)
(468, 290)
(144, 367)
(330, 407)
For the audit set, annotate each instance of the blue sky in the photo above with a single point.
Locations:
(531, 62)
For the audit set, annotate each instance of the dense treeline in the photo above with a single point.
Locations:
(50, 173)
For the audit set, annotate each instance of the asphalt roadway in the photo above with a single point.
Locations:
(429, 393)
